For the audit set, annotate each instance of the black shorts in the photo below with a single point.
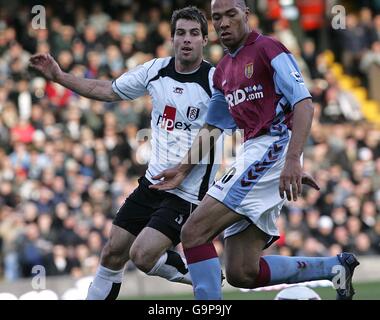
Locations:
(159, 210)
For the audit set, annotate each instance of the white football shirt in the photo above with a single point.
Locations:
(180, 103)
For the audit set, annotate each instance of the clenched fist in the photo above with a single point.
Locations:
(46, 65)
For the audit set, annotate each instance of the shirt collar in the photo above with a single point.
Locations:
(252, 37)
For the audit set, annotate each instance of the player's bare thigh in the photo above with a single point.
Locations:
(148, 247)
(209, 219)
(242, 255)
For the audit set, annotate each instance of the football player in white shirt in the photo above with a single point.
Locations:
(149, 222)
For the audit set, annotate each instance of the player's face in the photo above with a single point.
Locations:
(230, 22)
(188, 42)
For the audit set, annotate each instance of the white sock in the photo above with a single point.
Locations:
(106, 284)
(171, 266)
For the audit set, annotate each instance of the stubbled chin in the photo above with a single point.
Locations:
(228, 44)
(187, 57)
(186, 60)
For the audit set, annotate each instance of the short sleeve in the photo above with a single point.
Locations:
(288, 79)
(132, 84)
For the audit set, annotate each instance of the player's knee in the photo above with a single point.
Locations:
(242, 278)
(190, 237)
(113, 256)
(187, 236)
(143, 259)
(234, 278)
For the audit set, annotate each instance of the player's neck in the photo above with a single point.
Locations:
(241, 43)
(187, 68)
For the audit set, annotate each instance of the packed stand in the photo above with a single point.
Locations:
(67, 163)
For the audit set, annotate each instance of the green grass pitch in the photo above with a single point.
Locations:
(364, 291)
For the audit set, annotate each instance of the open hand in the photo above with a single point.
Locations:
(172, 178)
(292, 178)
(46, 65)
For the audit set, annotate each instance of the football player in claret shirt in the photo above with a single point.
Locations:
(259, 89)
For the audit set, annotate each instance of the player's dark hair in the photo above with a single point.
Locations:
(190, 13)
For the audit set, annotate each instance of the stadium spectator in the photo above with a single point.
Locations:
(370, 66)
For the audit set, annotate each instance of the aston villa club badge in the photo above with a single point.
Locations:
(248, 71)
(192, 113)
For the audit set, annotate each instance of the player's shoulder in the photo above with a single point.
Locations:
(166, 67)
(208, 74)
(157, 64)
(206, 69)
(263, 40)
(204, 76)
(167, 64)
(158, 67)
(270, 46)
(207, 65)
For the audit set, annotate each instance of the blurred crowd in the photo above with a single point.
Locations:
(67, 163)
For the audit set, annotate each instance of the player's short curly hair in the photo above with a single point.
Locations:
(190, 13)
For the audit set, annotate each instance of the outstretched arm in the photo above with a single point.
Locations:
(89, 88)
